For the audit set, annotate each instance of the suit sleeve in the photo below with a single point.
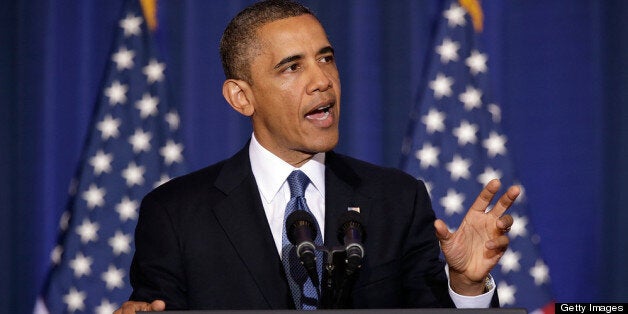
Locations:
(425, 281)
(157, 272)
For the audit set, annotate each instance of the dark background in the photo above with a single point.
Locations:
(559, 70)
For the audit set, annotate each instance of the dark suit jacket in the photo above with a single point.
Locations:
(203, 240)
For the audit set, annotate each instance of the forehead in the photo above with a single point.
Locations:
(294, 35)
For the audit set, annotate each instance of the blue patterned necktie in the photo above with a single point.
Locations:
(303, 290)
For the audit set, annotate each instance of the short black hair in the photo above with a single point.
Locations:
(238, 41)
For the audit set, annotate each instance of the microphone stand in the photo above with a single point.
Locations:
(336, 284)
(341, 264)
(328, 287)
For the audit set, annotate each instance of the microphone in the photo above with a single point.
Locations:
(301, 232)
(350, 234)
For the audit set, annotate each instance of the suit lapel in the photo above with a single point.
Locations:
(342, 190)
(242, 217)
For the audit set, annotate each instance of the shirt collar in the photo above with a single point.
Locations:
(271, 171)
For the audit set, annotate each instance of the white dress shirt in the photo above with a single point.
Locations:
(271, 172)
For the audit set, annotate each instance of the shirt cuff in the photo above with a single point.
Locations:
(481, 301)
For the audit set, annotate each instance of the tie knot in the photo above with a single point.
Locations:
(298, 181)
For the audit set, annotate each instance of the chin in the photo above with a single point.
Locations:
(322, 145)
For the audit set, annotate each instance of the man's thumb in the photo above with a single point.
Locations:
(158, 305)
(442, 232)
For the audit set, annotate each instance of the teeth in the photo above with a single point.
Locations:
(320, 117)
(324, 115)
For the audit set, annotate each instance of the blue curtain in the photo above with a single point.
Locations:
(559, 70)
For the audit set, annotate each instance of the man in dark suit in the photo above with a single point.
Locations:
(213, 239)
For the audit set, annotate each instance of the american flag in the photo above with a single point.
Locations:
(456, 145)
(132, 148)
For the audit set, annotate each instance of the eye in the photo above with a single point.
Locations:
(292, 68)
(327, 59)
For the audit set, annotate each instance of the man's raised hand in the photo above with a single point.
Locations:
(480, 240)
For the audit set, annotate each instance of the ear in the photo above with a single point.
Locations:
(237, 93)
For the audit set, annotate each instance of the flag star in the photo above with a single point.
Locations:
(452, 202)
(123, 58)
(113, 277)
(154, 71)
(459, 168)
(164, 178)
(140, 141)
(471, 98)
(496, 112)
(147, 106)
(108, 127)
(428, 155)
(81, 265)
(488, 175)
(434, 121)
(455, 16)
(506, 293)
(448, 50)
(88, 231)
(121, 243)
(127, 209)
(518, 227)
(172, 152)
(172, 118)
(94, 196)
(510, 261)
(64, 221)
(131, 25)
(106, 307)
(452, 229)
(477, 62)
(75, 300)
(134, 174)
(441, 86)
(495, 144)
(55, 255)
(540, 272)
(466, 133)
(116, 93)
(101, 162)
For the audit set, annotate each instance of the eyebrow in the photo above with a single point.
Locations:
(324, 50)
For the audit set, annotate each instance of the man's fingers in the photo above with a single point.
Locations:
(506, 200)
(504, 223)
(486, 196)
(130, 307)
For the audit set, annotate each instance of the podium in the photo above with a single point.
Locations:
(365, 311)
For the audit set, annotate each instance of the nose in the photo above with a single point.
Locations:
(320, 79)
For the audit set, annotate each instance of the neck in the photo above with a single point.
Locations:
(294, 157)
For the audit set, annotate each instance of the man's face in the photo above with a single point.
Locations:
(295, 89)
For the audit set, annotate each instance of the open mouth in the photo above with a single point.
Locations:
(320, 113)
